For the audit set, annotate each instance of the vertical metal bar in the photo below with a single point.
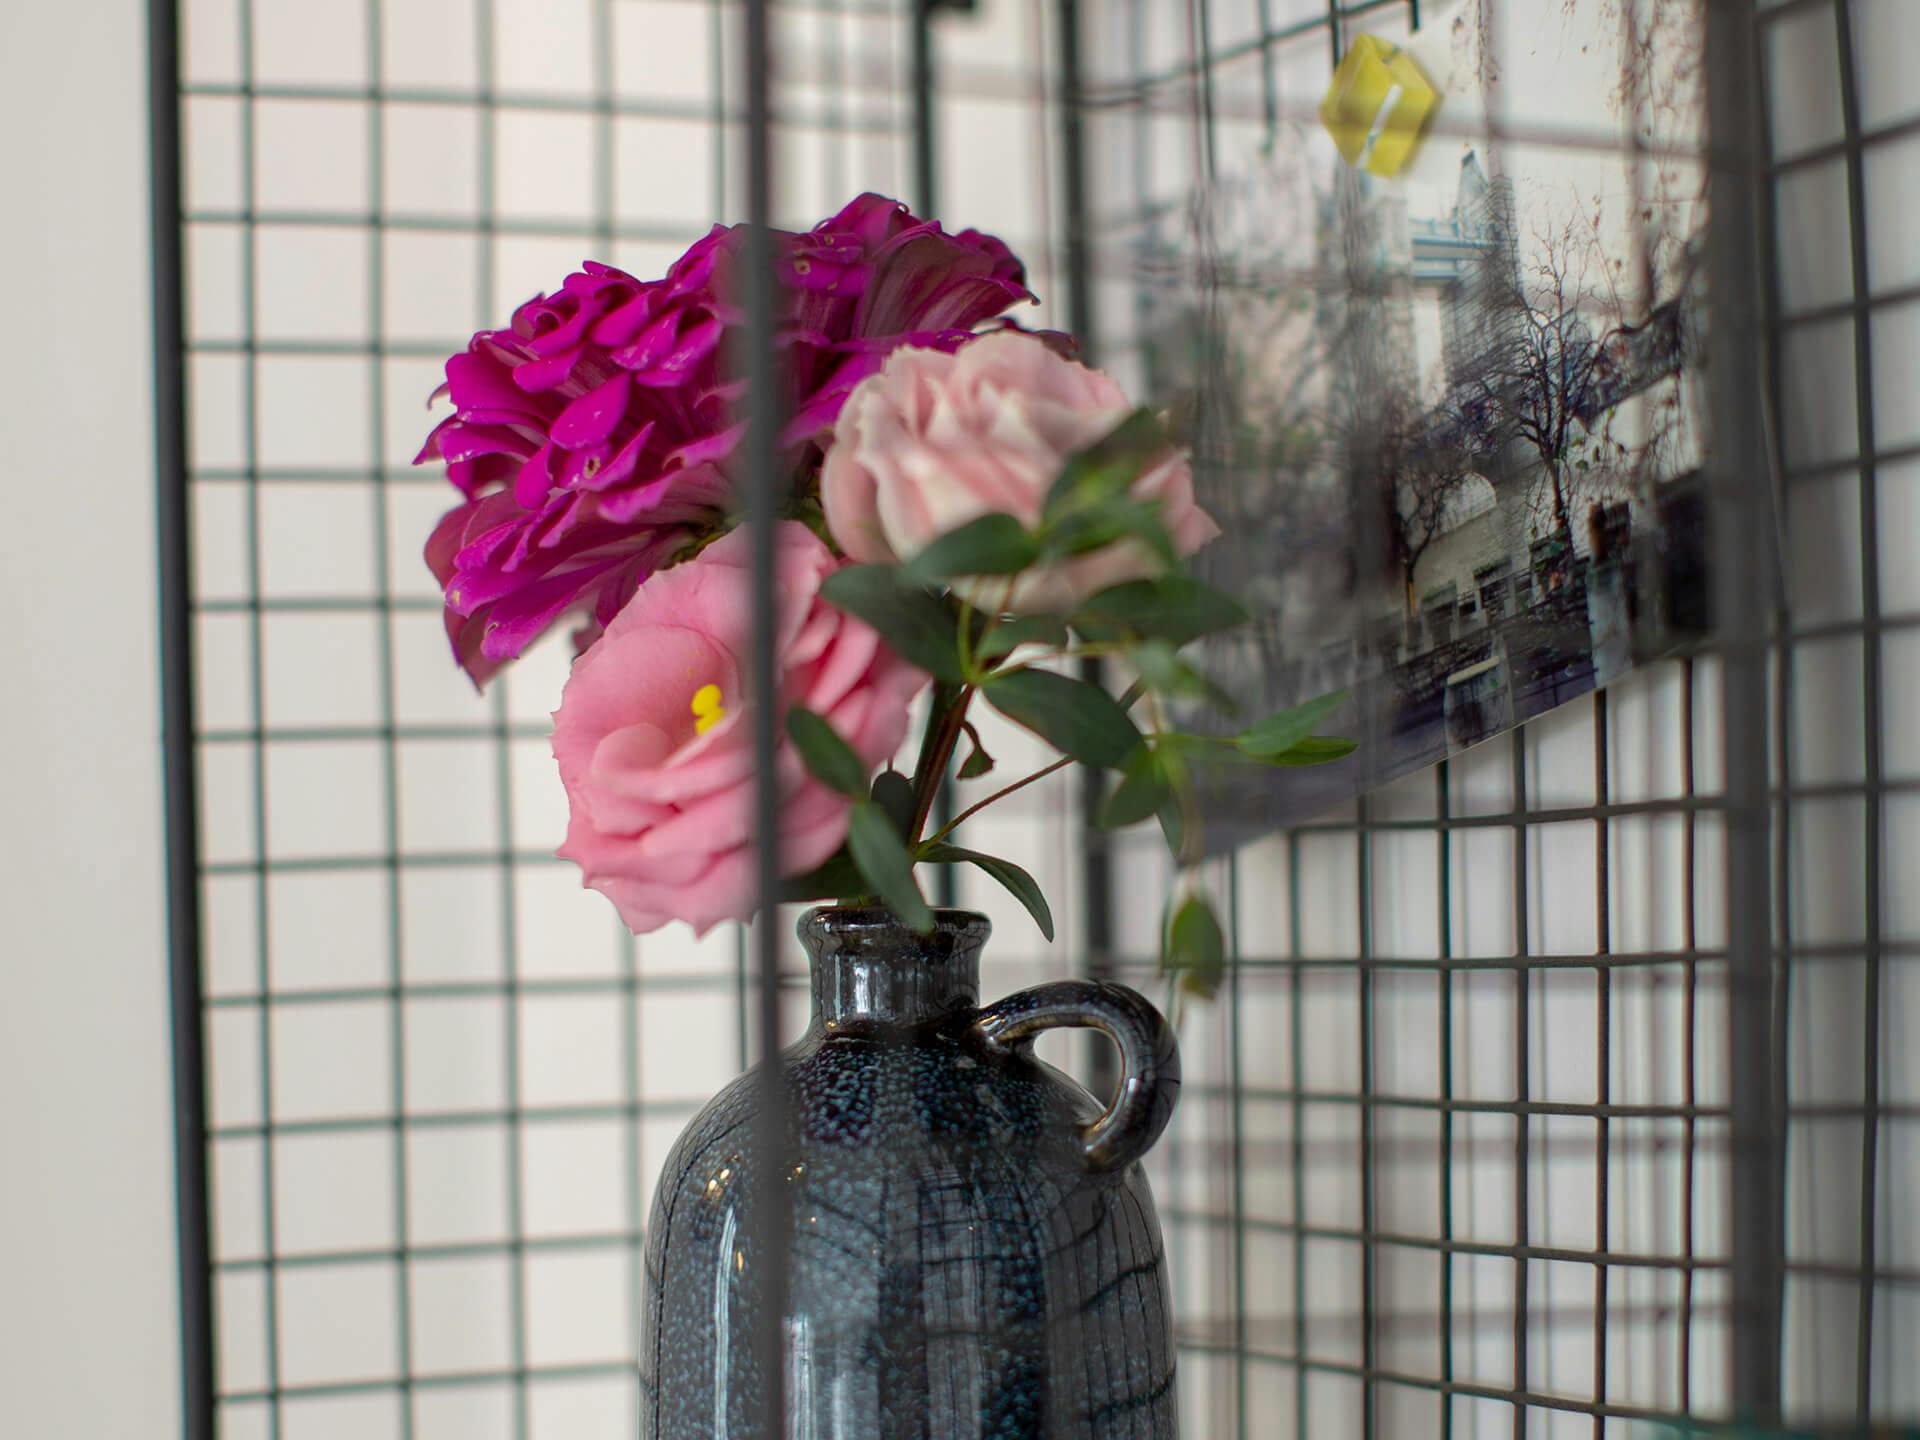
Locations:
(1736, 463)
(1522, 1081)
(1690, 1026)
(769, 1230)
(1096, 881)
(175, 539)
(632, 1150)
(722, 204)
(1603, 1052)
(386, 683)
(920, 52)
(256, 716)
(1296, 1086)
(1269, 89)
(1201, 44)
(926, 203)
(1237, 1139)
(1870, 664)
(1369, 1131)
(1076, 237)
(836, 134)
(1444, 812)
(1765, 199)
(511, 988)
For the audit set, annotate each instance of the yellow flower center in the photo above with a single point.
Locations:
(707, 709)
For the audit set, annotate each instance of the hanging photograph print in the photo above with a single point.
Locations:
(1444, 393)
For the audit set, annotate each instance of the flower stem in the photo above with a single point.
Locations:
(1021, 784)
(944, 725)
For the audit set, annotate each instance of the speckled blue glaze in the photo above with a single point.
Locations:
(975, 1252)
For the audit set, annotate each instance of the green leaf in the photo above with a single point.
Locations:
(1314, 750)
(1108, 467)
(1107, 522)
(1018, 882)
(829, 759)
(1008, 635)
(893, 793)
(1142, 790)
(1278, 734)
(1164, 671)
(991, 545)
(836, 878)
(1078, 719)
(1196, 950)
(978, 761)
(1174, 608)
(1173, 826)
(882, 856)
(916, 624)
(1177, 754)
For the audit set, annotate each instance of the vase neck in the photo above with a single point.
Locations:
(867, 966)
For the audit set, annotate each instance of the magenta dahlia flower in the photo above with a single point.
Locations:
(594, 437)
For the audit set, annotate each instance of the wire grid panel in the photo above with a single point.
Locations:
(442, 1077)
(1454, 1156)
(1844, 165)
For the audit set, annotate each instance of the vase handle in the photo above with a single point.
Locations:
(1149, 1056)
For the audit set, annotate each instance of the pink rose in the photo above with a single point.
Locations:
(935, 440)
(654, 735)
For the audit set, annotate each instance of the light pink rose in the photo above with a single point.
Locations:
(935, 440)
(662, 805)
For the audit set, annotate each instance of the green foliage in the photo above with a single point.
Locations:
(1315, 750)
(1108, 523)
(1278, 734)
(893, 793)
(915, 623)
(1195, 948)
(1143, 622)
(1078, 719)
(1018, 882)
(828, 758)
(991, 545)
(883, 859)
(978, 761)
(1143, 789)
(1106, 469)
(1174, 608)
(1173, 827)
(1003, 637)
(1165, 672)
(1091, 506)
(836, 878)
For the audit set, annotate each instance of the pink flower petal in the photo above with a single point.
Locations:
(592, 417)
(535, 479)
(549, 373)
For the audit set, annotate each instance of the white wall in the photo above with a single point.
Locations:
(88, 1342)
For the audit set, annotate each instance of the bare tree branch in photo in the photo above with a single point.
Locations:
(1418, 478)
(1534, 376)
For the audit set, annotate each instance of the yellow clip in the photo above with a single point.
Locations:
(1377, 105)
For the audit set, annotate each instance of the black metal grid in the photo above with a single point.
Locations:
(1710, 998)
(1848, 1117)
(1325, 1191)
(289, 1267)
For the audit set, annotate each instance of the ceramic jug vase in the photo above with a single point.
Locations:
(974, 1253)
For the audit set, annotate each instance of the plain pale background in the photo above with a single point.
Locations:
(89, 1344)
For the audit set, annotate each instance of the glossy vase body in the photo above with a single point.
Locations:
(973, 1252)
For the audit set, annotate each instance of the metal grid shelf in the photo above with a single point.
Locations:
(1463, 1148)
